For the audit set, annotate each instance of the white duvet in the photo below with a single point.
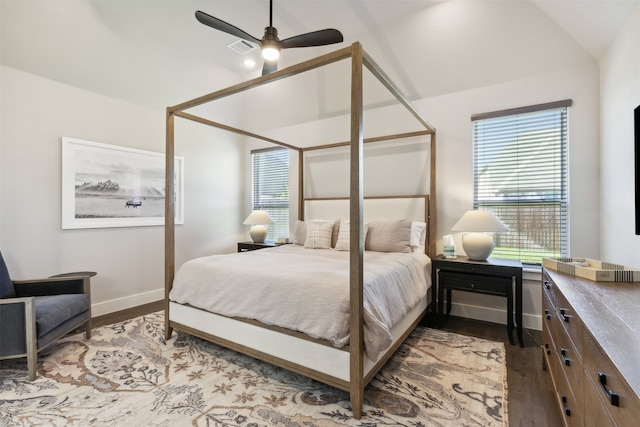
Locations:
(306, 290)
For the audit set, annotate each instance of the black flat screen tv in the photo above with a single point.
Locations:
(636, 121)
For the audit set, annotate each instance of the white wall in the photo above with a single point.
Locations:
(620, 94)
(36, 113)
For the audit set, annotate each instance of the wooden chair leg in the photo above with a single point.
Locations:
(88, 329)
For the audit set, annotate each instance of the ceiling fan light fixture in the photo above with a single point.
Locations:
(270, 52)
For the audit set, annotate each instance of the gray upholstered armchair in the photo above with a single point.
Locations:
(34, 313)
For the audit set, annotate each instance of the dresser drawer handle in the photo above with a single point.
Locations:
(547, 285)
(546, 347)
(566, 408)
(563, 352)
(613, 397)
(547, 314)
(564, 315)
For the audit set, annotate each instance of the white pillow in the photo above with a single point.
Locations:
(343, 242)
(418, 236)
(300, 230)
(299, 233)
(318, 235)
(389, 236)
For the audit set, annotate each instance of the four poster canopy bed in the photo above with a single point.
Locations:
(360, 296)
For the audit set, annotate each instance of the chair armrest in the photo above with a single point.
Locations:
(16, 316)
(21, 300)
(56, 285)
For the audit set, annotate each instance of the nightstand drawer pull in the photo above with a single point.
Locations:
(563, 352)
(546, 347)
(566, 408)
(547, 314)
(547, 285)
(612, 396)
(563, 314)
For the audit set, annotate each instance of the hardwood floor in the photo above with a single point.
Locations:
(530, 392)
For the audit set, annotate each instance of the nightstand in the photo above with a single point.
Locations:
(494, 276)
(252, 246)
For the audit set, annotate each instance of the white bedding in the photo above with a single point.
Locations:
(306, 290)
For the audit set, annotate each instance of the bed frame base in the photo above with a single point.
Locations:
(308, 357)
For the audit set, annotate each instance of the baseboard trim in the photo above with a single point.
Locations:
(130, 301)
(494, 315)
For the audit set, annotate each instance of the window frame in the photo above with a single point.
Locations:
(513, 205)
(281, 226)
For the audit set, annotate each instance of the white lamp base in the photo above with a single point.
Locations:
(258, 233)
(478, 246)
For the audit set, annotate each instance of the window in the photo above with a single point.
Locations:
(271, 188)
(520, 174)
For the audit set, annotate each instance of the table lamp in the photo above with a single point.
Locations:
(258, 220)
(477, 244)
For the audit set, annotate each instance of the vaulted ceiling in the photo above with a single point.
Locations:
(154, 53)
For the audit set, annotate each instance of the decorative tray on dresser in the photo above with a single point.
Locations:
(591, 347)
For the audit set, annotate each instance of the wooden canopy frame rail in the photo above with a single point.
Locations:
(359, 58)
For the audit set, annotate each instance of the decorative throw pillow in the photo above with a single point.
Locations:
(389, 236)
(418, 236)
(299, 233)
(334, 233)
(6, 285)
(343, 242)
(318, 235)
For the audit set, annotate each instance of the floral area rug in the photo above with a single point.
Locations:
(128, 375)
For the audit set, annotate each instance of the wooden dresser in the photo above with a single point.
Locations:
(591, 347)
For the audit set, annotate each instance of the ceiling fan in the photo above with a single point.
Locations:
(270, 43)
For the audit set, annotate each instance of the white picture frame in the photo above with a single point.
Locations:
(106, 185)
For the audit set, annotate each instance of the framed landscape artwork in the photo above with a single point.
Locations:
(112, 186)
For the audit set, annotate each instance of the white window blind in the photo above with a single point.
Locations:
(271, 188)
(520, 174)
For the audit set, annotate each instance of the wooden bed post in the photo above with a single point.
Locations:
(169, 221)
(301, 185)
(433, 215)
(356, 342)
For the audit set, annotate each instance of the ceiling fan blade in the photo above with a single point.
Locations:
(315, 38)
(269, 67)
(220, 25)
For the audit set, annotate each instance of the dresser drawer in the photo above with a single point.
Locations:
(599, 369)
(548, 322)
(595, 411)
(563, 310)
(476, 283)
(571, 366)
(563, 350)
(570, 407)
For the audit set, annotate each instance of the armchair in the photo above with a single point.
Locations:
(34, 313)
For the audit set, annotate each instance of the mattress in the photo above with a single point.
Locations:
(306, 290)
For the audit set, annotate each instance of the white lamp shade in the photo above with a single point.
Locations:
(479, 221)
(477, 244)
(258, 217)
(259, 220)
